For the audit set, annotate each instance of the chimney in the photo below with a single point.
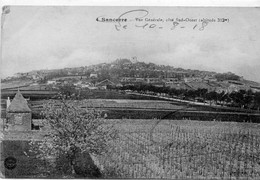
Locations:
(8, 102)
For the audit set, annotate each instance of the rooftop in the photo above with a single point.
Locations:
(18, 104)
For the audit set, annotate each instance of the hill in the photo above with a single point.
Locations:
(128, 72)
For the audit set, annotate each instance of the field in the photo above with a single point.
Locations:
(175, 149)
(121, 103)
(15, 84)
(149, 109)
(183, 149)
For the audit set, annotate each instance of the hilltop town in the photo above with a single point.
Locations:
(123, 72)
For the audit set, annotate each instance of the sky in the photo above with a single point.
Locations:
(51, 37)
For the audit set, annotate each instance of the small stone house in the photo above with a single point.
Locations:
(18, 114)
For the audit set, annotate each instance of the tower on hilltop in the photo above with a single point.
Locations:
(134, 59)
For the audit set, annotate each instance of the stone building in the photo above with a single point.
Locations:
(18, 114)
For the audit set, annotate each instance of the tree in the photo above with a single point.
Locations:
(202, 93)
(73, 130)
(248, 98)
(67, 90)
(224, 98)
(257, 100)
(212, 95)
(221, 97)
(238, 98)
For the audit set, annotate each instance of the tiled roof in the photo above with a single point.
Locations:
(18, 104)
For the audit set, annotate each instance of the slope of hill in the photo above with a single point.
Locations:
(124, 71)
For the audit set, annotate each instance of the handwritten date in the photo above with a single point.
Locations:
(140, 14)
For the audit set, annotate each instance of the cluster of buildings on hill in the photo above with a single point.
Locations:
(81, 83)
(119, 68)
(131, 72)
(93, 82)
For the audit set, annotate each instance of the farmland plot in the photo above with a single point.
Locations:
(113, 103)
(183, 149)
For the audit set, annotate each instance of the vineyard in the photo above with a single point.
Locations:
(183, 149)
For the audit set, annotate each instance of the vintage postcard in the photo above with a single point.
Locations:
(130, 92)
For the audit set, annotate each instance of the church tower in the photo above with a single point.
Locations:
(18, 114)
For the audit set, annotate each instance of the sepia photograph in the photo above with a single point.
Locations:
(101, 92)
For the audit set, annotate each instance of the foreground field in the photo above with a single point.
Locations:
(172, 149)
(183, 149)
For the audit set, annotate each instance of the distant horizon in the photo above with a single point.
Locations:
(112, 62)
(56, 37)
(133, 63)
